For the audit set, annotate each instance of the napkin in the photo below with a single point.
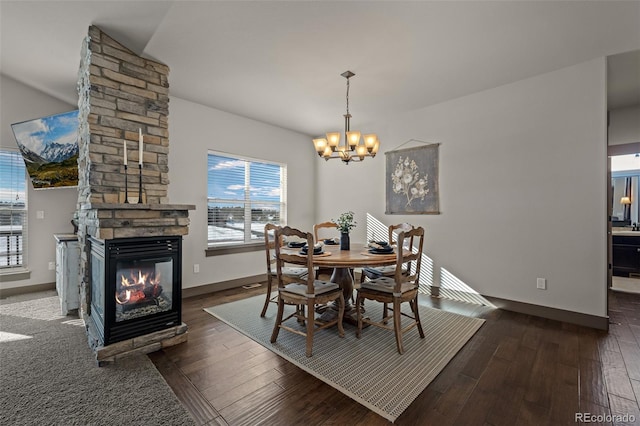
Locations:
(377, 245)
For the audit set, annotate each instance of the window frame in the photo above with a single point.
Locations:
(247, 244)
(20, 271)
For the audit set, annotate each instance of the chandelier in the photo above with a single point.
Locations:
(353, 149)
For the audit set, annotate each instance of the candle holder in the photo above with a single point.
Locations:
(140, 183)
(126, 187)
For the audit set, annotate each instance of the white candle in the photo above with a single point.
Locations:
(125, 152)
(140, 138)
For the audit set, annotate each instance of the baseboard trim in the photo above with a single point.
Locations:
(8, 292)
(223, 285)
(585, 320)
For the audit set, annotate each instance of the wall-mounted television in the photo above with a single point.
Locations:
(49, 147)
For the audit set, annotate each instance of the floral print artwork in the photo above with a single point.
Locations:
(412, 180)
(406, 180)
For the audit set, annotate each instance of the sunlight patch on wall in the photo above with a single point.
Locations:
(378, 231)
(452, 287)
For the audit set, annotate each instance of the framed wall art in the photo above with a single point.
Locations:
(412, 180)
(49, 147)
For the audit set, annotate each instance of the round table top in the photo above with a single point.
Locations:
(357, 256)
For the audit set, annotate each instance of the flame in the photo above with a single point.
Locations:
(123, 300)
(132, 289)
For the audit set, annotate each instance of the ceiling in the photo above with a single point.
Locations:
(280, 62)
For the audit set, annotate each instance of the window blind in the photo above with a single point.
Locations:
(13, 210)
(243, 195)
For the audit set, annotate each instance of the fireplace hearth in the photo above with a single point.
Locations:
(135, 286)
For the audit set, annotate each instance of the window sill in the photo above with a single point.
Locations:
(15, 275)
(240, 248)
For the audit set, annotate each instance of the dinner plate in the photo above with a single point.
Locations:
(316, 251)
(388, 250)
(293, 244)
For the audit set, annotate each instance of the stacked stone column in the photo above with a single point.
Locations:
(121, 93)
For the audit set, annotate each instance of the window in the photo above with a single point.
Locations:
(242, 196)
(13, 211)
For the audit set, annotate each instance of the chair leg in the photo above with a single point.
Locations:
(352, 298)
(416, 313)
(276, 326)
(359, 315)
(340, 314)
(385, 313)
(301, 317)
(310, 325)
(268, 299)
(397, 325)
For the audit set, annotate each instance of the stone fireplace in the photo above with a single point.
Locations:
(131, 261)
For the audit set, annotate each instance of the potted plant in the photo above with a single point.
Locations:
(345, 224)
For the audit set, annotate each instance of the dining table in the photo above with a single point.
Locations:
(343, 262)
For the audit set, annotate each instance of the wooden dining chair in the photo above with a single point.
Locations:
(388, 271)
(318, 230)
(293, 272)
(402, 288)
(305, 295)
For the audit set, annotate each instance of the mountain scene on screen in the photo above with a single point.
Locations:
(49, 147)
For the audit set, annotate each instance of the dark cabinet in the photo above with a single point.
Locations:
(626, 255)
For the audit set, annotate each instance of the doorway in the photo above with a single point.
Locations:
(623, 139)
(624, 211)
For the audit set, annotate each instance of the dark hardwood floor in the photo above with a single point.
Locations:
(516, 370)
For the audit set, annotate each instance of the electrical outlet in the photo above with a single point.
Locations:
(196, 268)
(541, 283)
(40, 214)
(52, 266)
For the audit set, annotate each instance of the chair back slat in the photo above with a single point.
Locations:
(293, 257)
(399, 228)
(413, 235)
(270, 244)
(402, 227)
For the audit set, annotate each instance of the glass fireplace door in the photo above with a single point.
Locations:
(143, 287)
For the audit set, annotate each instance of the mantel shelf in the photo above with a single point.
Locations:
(123, 206)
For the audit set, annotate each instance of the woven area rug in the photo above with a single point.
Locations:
(49, 375)
(368, 370)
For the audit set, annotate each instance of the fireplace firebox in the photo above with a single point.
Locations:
(135, 286)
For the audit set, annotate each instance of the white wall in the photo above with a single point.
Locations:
(19, 102)
(522, 188)
(516, 165)
(624, 125)
(194, 129)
